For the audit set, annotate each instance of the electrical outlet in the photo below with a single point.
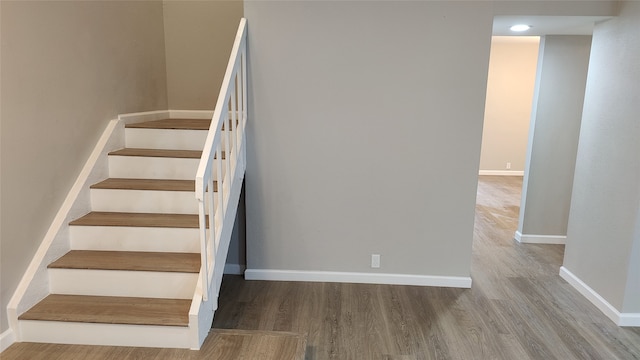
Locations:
(375, 261)
(508, 165)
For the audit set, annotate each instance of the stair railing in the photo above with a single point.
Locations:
(224, 142)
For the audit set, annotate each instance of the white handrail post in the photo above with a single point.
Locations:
(204, 263)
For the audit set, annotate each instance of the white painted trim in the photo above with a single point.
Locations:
(360, 278)
(620, 319)
(190, 114)
(138, 117)
(501, 172)
(234, 269)
(34, 284)
(7, 338)
(540, 239)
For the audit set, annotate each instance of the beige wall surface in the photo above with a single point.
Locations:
(358, 142)
(67, 68)
(198, 39)
(602, 235)
(512, 74)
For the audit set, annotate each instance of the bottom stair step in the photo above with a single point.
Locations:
(111, 310)
(220, 345)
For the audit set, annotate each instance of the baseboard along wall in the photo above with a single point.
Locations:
(501, 172)
(540, 239)
(7, 338)
(358, 278)
(620, 319)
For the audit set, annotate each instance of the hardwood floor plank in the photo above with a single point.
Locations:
(98, 218)
(173, 124)
(187, 154)
(128, 260)
(148, 184)
(111, 310)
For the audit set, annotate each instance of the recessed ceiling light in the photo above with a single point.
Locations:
(520, 27)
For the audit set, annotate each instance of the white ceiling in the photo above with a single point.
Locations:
(546, 25)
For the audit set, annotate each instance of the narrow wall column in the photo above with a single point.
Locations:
(553, 138)
(602, 257)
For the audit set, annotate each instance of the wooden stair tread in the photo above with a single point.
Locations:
(250, 344)
(161, 153)
(173, 124)
(176, 124)
(164, 153)
(110, 310)
(128, 261)
(99, 218)
(148, 184)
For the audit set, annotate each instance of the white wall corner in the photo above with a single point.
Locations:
(234, 269)
(540, 239)
(359, 278)
(7, 338)
(501, 173)
(620, 319)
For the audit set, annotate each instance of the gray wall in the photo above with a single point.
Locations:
(67, 68)
(198, 36)
(366, 122)
(554, 132)
(604, 219)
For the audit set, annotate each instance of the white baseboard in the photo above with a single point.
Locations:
(360, 278)
(7, 338)
(620, 319)
(501, 172)
(234, 269)
(540, 239)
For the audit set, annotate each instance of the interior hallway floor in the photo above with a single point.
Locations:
(518, 308)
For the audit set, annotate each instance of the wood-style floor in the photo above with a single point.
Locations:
(518, 308)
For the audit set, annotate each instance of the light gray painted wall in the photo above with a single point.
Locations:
(364, 137)
(606, 190)
(198, 36)
(632, 292)
(67, 68)
(554, 132)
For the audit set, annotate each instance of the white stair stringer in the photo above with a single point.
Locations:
(145, 201)
(147, 284)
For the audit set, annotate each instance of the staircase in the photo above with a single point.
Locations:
(136, 253)
(134, 260)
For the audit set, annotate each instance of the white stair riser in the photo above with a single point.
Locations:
(169, 139)
(165, 139)
(145, 201)
(141, 167)
(120, 238)
(149, 284)
(60, 332)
